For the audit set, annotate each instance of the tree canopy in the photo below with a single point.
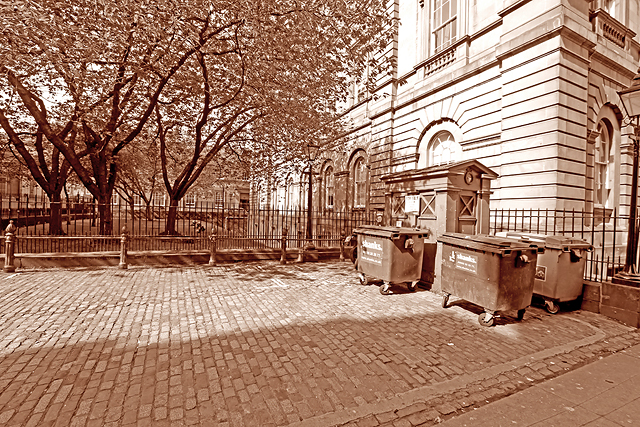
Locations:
(251, 76)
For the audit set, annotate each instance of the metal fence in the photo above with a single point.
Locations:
(603, 229)
(235, 227)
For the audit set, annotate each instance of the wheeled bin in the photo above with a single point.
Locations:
(496, 273)
(560, 269)
(391, 254)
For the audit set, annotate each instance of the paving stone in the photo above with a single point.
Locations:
(369, 421)
(202, 345)
(386, 417)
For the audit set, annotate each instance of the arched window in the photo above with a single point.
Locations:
(604, 164)
(360, 183)
(329, 189)
(444, 149)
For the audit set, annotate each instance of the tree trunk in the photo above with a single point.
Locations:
(105, 215)
(170, 227)
(55, 220)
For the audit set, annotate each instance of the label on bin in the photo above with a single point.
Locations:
(372, 252)
(464, 261)
(541, 273)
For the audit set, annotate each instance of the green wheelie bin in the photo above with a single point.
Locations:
(495, 273)
(560, 269)
(391, 254)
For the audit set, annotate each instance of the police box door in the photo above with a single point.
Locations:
(467, 212)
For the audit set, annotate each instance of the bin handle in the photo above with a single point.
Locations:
(408, 244)
(575, 256)
(522, 259)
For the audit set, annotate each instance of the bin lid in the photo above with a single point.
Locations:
(485, 243)
(552, 241)
(388, 232)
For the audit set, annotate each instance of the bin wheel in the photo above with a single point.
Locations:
(486, 319)
(413, 286)
(521, 313)
(384, 288)
(445, 300)
(362, 278)
(551, 306)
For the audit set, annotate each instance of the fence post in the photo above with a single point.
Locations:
(283, 256)
(343, 236)
(213, 239)
(9, 249)
(124, 238)
(300, 248)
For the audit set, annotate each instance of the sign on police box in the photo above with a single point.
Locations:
(412, 204)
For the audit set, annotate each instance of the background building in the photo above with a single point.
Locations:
(526, 87)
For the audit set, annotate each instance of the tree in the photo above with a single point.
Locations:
(102, 66)
(272, 94)
(50, 170)
(234, 65)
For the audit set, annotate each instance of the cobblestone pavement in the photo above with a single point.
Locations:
(261, 344)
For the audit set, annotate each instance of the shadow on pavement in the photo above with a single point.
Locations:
(260, 347)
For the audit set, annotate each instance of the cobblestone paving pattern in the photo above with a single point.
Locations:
(253, 344)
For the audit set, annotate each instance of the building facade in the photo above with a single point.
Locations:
(526, 87)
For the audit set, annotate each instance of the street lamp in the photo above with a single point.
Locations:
(631, 101)
(311, 151)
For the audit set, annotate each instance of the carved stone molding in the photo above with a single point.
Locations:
(440, 61)
(610, 28)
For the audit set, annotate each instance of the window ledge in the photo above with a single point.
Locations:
(440, 60)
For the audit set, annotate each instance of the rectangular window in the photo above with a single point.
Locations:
(158, 199)
(219, 199)
(610, 7)
(444, 23)
(190, 200)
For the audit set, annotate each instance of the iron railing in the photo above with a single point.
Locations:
(235, 227)
(602, 228)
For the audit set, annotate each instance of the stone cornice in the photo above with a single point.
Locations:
(546, 31)
(516, 5)
(613, 64)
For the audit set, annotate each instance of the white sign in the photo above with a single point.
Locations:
(466, 262)
(371, 252)
(412, 204)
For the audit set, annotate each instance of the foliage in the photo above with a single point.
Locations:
(256, 76)
(139, 171)
(10, 163)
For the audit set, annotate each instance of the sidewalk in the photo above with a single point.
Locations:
(603, 393)
(269, 345)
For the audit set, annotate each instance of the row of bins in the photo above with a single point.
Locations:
(499, 273)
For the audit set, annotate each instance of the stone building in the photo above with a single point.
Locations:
(526, 87)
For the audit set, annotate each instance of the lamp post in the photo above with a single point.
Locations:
(631, 101)
(311, 151)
